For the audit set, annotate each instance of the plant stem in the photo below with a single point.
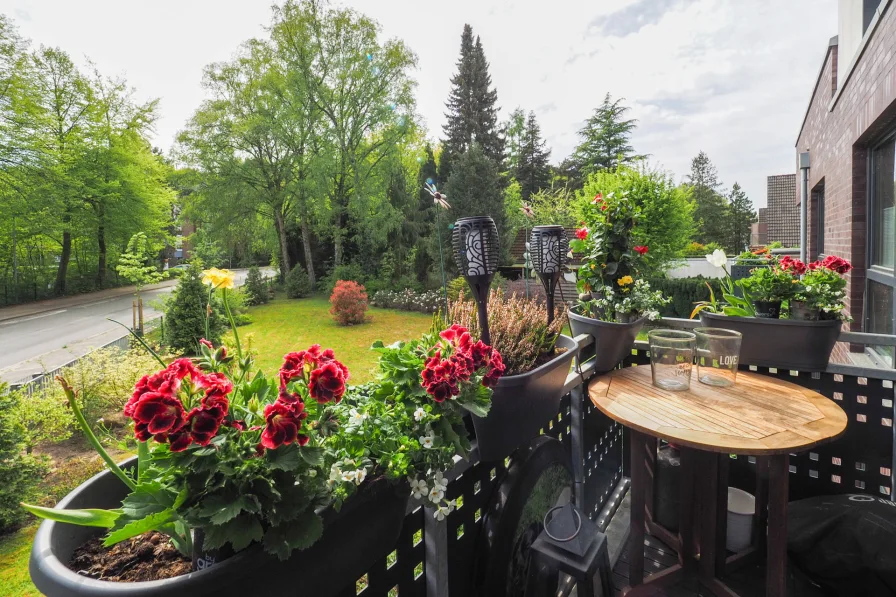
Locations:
(142, 459)
(91, 437)
(236, 336)
(208, 309)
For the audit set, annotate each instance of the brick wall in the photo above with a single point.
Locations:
(837, 132)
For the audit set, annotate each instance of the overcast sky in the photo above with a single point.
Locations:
(730, 77)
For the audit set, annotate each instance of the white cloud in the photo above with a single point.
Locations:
(730, 78)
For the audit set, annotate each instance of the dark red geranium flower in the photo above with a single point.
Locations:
(182, 368)
(442, 390)
(598, 198)
(582, 233)
(327, 382)
(237, 424)
(217, 404)
(293, 367)
(202, 425)
(837, 264)
(215, 383)
(480, 353)
(328, 356)
(495, 371)
(180, 441)
(281, 426)
(161, 413)
(641, 250)
(163, 382)
(452, 333)
(313, 354)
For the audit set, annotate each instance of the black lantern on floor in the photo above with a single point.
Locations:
(548, 246)
(476, 251)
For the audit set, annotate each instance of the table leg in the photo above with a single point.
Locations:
(776, 566)
(638, 443)
(650, 448)
(709, 514)
(721, 501)
(761, 504)
(686, 509)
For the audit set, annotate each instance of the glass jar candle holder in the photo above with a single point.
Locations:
(671, 358)
(718, 355)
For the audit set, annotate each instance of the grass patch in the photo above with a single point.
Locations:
(286, 325)
(14, 551)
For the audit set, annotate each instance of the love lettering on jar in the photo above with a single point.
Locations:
(728, 360)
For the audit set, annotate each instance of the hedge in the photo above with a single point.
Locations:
(685, 292)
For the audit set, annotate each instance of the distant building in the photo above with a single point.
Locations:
(849, 131)
(759, 229)
(783, 211)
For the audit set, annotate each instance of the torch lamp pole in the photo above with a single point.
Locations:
(548, 247)
(476, 249)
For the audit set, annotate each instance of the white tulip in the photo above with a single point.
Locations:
(718, 258)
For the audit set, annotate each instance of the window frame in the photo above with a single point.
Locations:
(877, 273)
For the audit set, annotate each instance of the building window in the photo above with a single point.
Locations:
(818, 209)
(880, 308)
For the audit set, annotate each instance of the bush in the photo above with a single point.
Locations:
(459, 289)
(696, 249)
(348, 303)
(185, 314)
(684, 292)
(429, 301)
(518, 327)
(20, 473)
(255, 288)
(347, 272)
(297, 283)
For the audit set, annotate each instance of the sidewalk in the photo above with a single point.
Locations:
(28, 309)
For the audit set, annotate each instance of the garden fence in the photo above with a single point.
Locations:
(446, 559)
(123, 342)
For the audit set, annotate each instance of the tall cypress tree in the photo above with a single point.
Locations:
(472, 112)
(606, 139)
(533, 171)
(741, 216)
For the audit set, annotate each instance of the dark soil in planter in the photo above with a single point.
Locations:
(149, 556)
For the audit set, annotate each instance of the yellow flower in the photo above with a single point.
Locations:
(624, 280)
(218, 278)
(592, 266)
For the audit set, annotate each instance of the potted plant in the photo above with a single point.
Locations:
(799, 342)
(614, 301)
(228, 462)
(537, 360)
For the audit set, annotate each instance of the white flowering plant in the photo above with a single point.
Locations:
(409, 423)
(637, 300)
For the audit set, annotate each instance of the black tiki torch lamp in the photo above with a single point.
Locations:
(548, 246)
(476, 251)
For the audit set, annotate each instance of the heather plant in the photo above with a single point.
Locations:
(518, 327)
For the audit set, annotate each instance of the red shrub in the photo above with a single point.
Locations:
(348, 303)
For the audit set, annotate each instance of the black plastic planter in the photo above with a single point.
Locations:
(363, 531)
(780, 343)
(612, 341)
(523, 404)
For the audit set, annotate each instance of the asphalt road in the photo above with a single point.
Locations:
(41, 342)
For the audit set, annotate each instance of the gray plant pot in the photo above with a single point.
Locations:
(612, 341)
(780, 343)
(523, 404)
(363, 531)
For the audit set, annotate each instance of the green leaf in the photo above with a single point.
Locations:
(477, 408)
(311, 455)
(138, 527)
(284, 458)
(300, 533)
(239, 532)
(85, 518)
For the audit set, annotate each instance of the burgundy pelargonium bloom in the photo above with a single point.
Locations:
(837, 264)
(328, 356)
(495, 371)
(293, 366)
(161, 413)
(203, 424)
(328, 382)
(282, 426)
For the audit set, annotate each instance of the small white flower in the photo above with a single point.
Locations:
(360, 475)
(441, 513)
(348, 476)
(436, 495)
(356, 418)
(426, 442)
(718, 258)
(440, 481)
(419, 414)
(312, 473)
(419, 488)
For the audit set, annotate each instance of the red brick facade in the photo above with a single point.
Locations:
(840, 127)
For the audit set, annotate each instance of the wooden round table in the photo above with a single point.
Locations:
(759, 416)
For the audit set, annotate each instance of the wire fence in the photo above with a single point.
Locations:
(123, 342)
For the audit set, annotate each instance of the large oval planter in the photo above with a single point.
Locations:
(363, 531)
(780, 343)
(523, 404)
(612, 341)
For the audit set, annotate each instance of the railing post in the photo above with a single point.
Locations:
(577, 439)
(435, 540)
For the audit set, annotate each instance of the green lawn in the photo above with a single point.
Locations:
(286, 325)
(14, 551)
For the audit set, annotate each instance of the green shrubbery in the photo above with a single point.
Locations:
(297, 283)
(684, 292)
(696, 249)
(348, 272)
(256, 289)
(20, 472)
(185, 314)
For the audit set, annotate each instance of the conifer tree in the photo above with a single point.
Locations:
(606, 139)
(474, 188)
(711, 211)
(533, 172)
(741, 217)
(472, 114)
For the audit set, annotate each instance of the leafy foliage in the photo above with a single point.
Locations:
(20, 472)
(298, 285)
(605, 140)
(134, 264)
(684, 293)
(712, 211)
(255, 287)
(474, 189)
(348, 303)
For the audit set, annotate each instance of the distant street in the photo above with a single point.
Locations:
(43, 341)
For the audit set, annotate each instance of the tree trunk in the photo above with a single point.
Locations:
(280, 225)
(306, 249)
(101, 245)
(64, 258)
(337, 248)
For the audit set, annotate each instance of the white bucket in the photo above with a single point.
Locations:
(741, 508)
